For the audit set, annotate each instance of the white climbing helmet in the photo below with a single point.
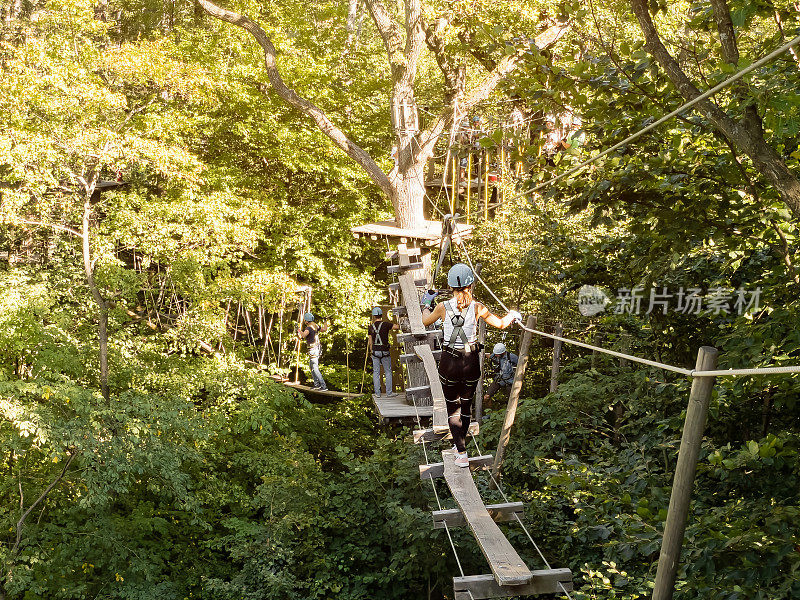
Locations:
(499, 349)
(377, 312)
(460, 276)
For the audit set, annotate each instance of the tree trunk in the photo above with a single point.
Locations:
(408, 197)
(102, 305)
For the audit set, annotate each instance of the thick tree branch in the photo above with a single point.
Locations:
(303, 105)
(460, 106)
(24, 516)
(454, 75)
(747, 136)
(415, 40)
(727, 35)
(389, 31)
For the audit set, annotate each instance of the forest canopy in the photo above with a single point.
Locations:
(168, 213)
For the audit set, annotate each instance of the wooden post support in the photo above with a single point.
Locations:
(479, 389)
(486, 186)
(513, 399)
(469, 182)
(693, 427)
(556, 359)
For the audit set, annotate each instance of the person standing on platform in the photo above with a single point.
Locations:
(459, 367)
(502, 366)
(378, 344)
(310, 333)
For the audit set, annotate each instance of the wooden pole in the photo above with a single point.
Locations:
(469, 182)
(453, 185)
(682, 484)
(300, 307)
(479, 390)
(486, 187)
(556, 359)
(502, 172)
(280, 329)
(513, 399)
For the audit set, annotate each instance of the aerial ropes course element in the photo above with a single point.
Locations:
(509, 575)
(703, 375)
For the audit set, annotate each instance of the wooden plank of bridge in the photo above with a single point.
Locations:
(414, 358)
(439, 408)
(506, 565)
(411, 302)
(433, 470)
(429, 435)
(544, 581)
(500, 513)
(403, 268)
(393, 254)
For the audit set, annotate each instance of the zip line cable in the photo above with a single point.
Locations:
(677, 111)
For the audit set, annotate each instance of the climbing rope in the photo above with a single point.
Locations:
(632, 358)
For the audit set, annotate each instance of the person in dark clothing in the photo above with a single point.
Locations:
(378, 344)
(310, 333)
(502, 366)
(459, 367)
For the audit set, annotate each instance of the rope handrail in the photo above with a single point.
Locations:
(689, 372)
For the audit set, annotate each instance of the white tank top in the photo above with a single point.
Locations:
(469, 326)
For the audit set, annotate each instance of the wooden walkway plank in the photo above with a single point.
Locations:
(411, 302)
(545, 581)
(403, 268)
(429, 435)
(418, 282)
(432, 334)
(394, 254)
(397, 409)
(500, 513)
(506, 565)
(414, 358)
(424, 352)
(433, 470)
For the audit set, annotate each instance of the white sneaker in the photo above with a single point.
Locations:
(462, 460)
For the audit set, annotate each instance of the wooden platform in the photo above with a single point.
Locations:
(480, 587)
(504, 562)
(430, 233)
(310, 391)
(397, 409)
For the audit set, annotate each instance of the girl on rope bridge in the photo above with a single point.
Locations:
(459, 367)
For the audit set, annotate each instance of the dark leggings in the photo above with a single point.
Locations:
(459, 374)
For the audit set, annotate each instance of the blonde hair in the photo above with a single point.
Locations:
(463, 297)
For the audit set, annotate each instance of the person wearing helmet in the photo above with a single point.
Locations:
(310, 333)
(459, 367)
(502, 366)
(378, 344)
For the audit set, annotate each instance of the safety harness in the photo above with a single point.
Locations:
(457, 320)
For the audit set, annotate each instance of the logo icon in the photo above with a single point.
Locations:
(591, 300)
